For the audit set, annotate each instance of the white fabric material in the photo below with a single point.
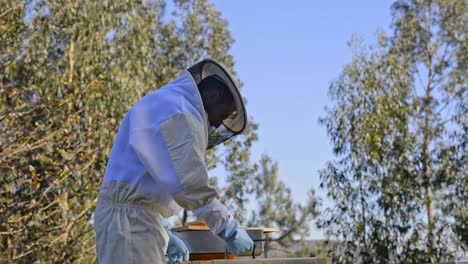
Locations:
(157, 165)
(186, 143)
(215, 215)
(140, 155)
(128, 226)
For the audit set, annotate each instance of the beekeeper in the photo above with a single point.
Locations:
(157, 166)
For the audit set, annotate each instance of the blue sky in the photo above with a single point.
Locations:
(287, 53)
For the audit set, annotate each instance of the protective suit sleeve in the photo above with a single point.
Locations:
(184, 137)
(151, 150)
(215, 215)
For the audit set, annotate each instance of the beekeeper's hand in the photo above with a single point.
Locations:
(177, 251)
(237, 239)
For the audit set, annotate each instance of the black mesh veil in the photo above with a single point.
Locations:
(237, 121)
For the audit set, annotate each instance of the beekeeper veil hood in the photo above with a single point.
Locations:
(236, 122)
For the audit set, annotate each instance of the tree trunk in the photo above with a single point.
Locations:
(426, 165)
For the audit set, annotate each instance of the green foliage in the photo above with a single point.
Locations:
(319, 250)
(398, 124)
(241, 172)
(276, 208)
(69, 71)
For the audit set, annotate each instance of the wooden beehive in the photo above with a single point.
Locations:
(205, 245)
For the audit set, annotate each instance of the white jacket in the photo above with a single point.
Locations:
(160, 149)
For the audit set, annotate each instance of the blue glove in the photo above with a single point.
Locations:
(177, 251)
(237, 239)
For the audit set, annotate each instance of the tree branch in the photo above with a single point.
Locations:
(71, 61)
(9, 10)
(70, 225)
(23, 254)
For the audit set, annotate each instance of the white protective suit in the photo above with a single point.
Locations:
(157, 166)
